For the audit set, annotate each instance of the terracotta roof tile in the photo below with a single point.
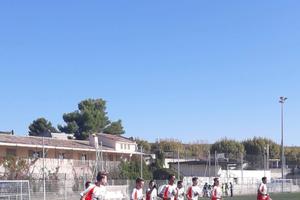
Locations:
(30, 140)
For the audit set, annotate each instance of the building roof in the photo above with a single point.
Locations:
(61, 136)
(115, 137)
(31, 141)
(7, 132)
(205, 162)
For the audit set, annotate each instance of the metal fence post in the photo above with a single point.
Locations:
(65, 187)
(21, 190)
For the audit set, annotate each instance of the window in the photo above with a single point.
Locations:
(61, 156)
(35, 154)
(128, 146)
(11, 152)
(110, 157)
(121, 146)
(83, 157)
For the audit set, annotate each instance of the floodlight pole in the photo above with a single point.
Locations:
(281, 101)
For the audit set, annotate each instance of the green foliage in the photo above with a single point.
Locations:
(163, 173)
(40, 127)
(159, 161)
(115, 128)
(16, 168)
(197, 149)
(231, 148)
(132, 169)
(292, 155)
(257, 145)
(144, 143)
(91, 117)
(256, 148)
(171, 145)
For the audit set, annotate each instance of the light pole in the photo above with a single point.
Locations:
(281, 101)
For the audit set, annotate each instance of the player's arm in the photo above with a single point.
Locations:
(132, 195)
(86, 190)
(161, 194)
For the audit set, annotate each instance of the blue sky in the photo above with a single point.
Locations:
(190, 70)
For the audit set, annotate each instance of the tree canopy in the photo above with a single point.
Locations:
(114, 128)
(132, 169)
(144, 143)
(231, 148)
(91, 117)
(257, 146)
(41, 127)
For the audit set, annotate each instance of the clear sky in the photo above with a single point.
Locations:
(190, 70)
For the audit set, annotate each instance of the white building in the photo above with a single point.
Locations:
(67, 157)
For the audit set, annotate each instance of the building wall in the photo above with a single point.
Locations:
(195, 170)
(70, 166)
(107, 142)
(125, 147)
(26, 152)
(2, 151)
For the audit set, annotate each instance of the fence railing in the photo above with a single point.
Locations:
(117, 189)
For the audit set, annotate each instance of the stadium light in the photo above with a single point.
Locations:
(281, 101)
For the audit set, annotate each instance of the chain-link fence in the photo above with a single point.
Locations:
(121, 189)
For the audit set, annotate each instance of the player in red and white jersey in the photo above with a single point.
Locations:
(216, 193)
(151, 192)
(168, 192)
(262, 191)
(194, 191)
(180, 191)
(137, 193)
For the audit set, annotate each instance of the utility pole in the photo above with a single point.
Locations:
(209, 164)
(178, 166)
(44, 178)
(264, 153)
(281, 101)
(268, 156)
(141, 161)
(216, 163)
(242, 172)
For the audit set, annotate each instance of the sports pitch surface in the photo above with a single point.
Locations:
(277, 196)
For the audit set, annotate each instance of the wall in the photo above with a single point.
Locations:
(120, 146)
(107, 142)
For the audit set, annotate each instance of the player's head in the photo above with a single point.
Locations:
(264, 179)
(151, 184)
(171, 179)
(102, 177)
(216, 181)
(179, 184)
(87, 184)
(139, 182)
(195, 181)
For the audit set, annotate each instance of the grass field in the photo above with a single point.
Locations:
(277, 196)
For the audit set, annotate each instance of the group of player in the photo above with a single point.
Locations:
(225, 189)
(171, 191)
